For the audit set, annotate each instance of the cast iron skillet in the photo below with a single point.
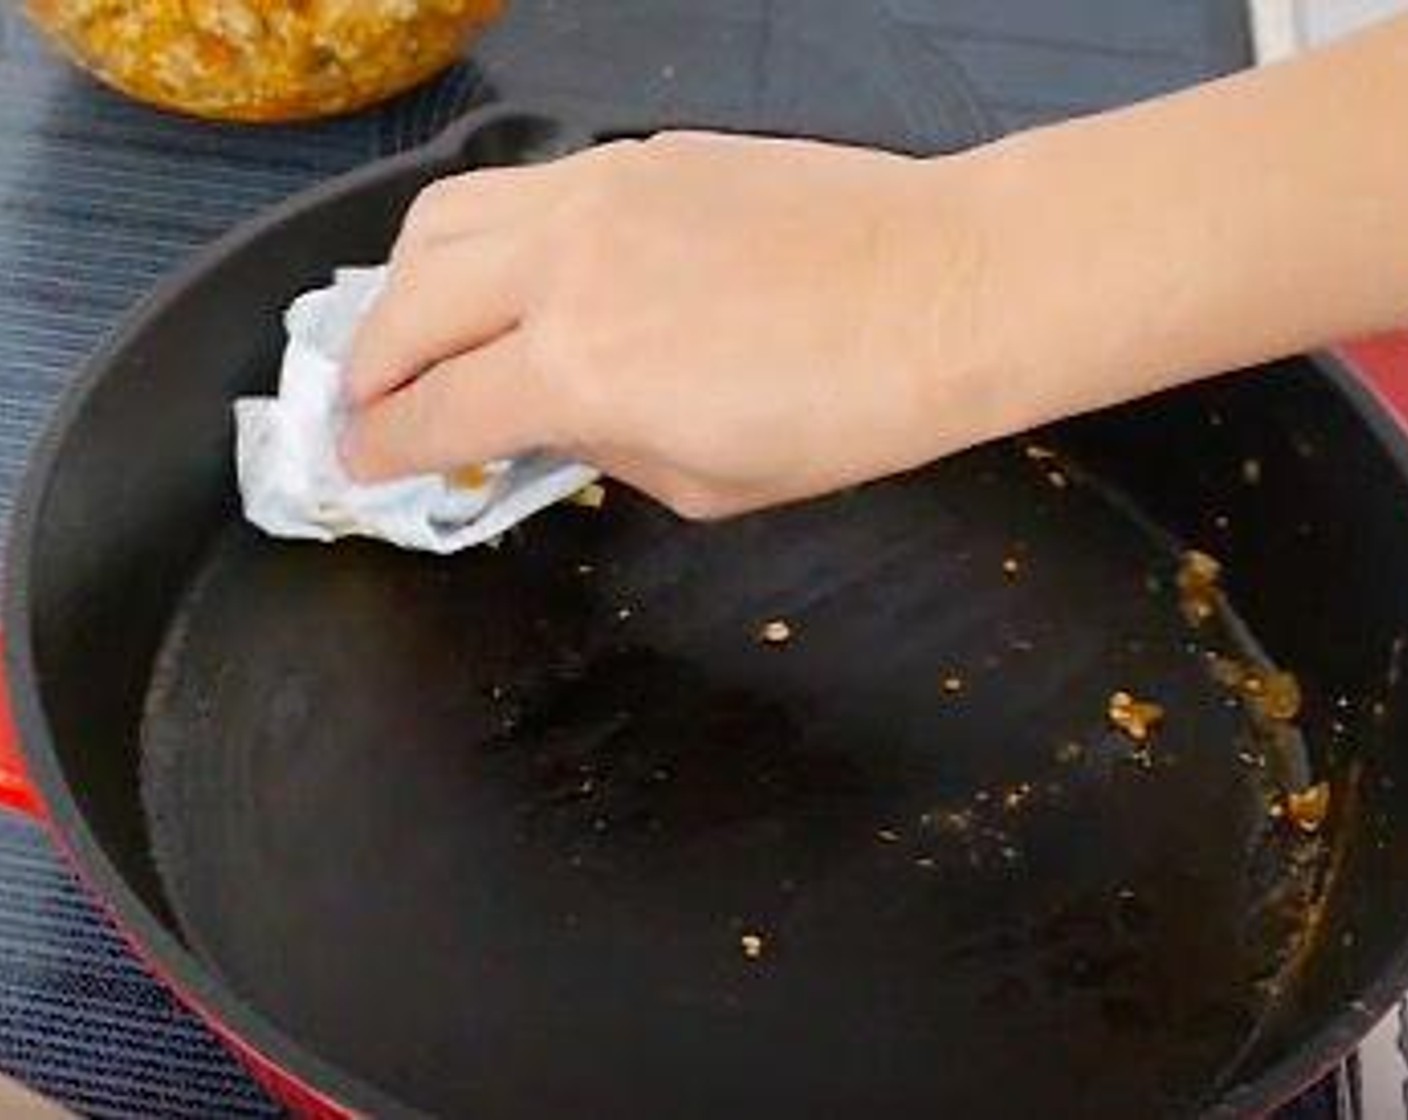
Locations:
(549, 827)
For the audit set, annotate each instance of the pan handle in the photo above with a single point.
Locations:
(1382, 363)
(16, 792)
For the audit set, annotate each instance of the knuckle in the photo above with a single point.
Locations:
(673, 141)
(616, 151)
(696, 503)
(429, 206)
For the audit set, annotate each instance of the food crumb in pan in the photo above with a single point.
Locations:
(955, 820)
(1022, 645)
(585, 569)
(1221, 521)
(1069, 752)
(1274, 694)
(1011, 566)
(1198, 577)
(623, 614)
(926, 862)
(1057, 479)
(1251, 471)
(1255, 761)
(777, 632)
(752, 945)
(952, 684)
(887, 836)
(468, 478)
(1135, 718)
(1038, 454)
(591, 496)
(1308, 808)
(1226, 671)
(1014, 798)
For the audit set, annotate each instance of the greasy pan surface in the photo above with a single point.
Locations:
(493, 830)
(493, 835)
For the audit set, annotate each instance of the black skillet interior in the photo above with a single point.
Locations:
(550, 826)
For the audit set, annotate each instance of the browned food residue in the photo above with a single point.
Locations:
(952, 684)
(1308, 808)
(1015, 797)
(591, 496)
(1198, 591)
(1272, 693)
(1011, 567)
(468, 478)
(1135, 718)
(752, 945)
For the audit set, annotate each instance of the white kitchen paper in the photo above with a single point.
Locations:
(292, 482)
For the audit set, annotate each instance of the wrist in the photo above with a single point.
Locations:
(1014, 330)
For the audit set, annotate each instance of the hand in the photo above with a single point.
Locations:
(723, 323)
(728, 323)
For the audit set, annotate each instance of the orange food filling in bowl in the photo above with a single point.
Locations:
(263, 60)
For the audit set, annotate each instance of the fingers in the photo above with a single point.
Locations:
(460, 269)
(493, 198)
(477, 202)
(484, 405)
(441, 302)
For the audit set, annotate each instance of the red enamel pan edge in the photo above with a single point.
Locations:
(17, 793)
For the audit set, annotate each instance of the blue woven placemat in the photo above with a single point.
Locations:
(98, 197)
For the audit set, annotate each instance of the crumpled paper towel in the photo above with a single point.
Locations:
(292, 481)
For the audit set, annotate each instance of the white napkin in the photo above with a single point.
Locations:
(291, 479)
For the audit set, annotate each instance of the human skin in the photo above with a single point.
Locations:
(729, 323)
